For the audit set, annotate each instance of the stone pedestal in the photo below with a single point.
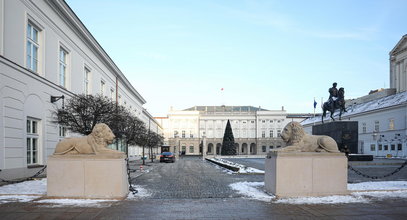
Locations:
(297, 174)
(345, 133)
(87, 176)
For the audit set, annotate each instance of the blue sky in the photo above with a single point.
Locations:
(263, 53)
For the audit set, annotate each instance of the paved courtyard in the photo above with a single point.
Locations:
(192, 188)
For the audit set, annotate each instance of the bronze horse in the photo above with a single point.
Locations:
(338, 104)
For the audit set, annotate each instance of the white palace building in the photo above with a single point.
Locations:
(381, 115)
(255, 130)
(45, 51)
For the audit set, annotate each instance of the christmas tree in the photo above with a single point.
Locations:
(228, 144)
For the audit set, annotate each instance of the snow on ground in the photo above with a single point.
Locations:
(242, 168)
(77, 202)
(16, 198)
(33, 187)
(142, 193)
(254, 190)
(251, 190)
(382, 185)
(324, 200)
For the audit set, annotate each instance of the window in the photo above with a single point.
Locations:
(184, 148)
(364, 127)
(380, 147)
(191, 135)
(32, 141)
(183, 134)
(376, 126)
(102, 87)
(399, 147)
(391, 124)
(271, 133)
(373, 147)
(263, 121)
(62, 67)
(252, 122)
(86, 81)
(278, 133)
(32, 47)
(271, 147)
(191, 149)
(263, 148)
(393, 147)
(175, 134)
(278, 146)
(62, 131)
(112, 94)
(263, 134)
(386, 147)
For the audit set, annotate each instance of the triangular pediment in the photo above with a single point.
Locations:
(402, 44)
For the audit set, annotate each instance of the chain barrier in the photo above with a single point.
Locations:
(377, 177)
(25, 179)
(131, 188)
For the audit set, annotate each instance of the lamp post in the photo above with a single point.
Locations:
(204, 147)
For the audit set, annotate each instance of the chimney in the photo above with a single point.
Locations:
(282, 108)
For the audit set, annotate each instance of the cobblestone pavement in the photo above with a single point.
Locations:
(191, 178)
(378, 167)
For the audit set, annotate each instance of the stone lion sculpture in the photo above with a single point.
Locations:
(95, 143)
(297, 140)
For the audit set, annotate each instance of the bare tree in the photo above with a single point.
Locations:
(82, 112)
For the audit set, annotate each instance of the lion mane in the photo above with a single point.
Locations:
(297, 140)
(94, 143)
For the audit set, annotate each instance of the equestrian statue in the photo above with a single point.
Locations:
(336, 101)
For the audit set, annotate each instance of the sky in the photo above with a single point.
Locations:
(262, 53)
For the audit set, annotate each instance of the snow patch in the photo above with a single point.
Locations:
(324, 200)
(251, 190)
(17, 198)
(383, 194)
(33, 187)
(142, 193)
(242, 168)
(77, 202)
(380, 185)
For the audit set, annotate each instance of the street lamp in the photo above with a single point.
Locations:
(56, 98)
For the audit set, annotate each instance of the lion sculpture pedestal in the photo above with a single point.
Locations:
(87, 176)
(310, 165)
(297, 174)
(84, 167)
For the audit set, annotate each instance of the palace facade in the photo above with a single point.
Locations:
(46, 51)
(256, 130)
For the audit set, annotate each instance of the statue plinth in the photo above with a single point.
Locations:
(345, 133)
(298, 174)
(87, 176)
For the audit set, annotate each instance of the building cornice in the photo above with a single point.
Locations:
(396, 50)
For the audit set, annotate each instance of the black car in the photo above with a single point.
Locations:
(167, 157)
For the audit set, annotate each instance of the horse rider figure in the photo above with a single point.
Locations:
(333, 95)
